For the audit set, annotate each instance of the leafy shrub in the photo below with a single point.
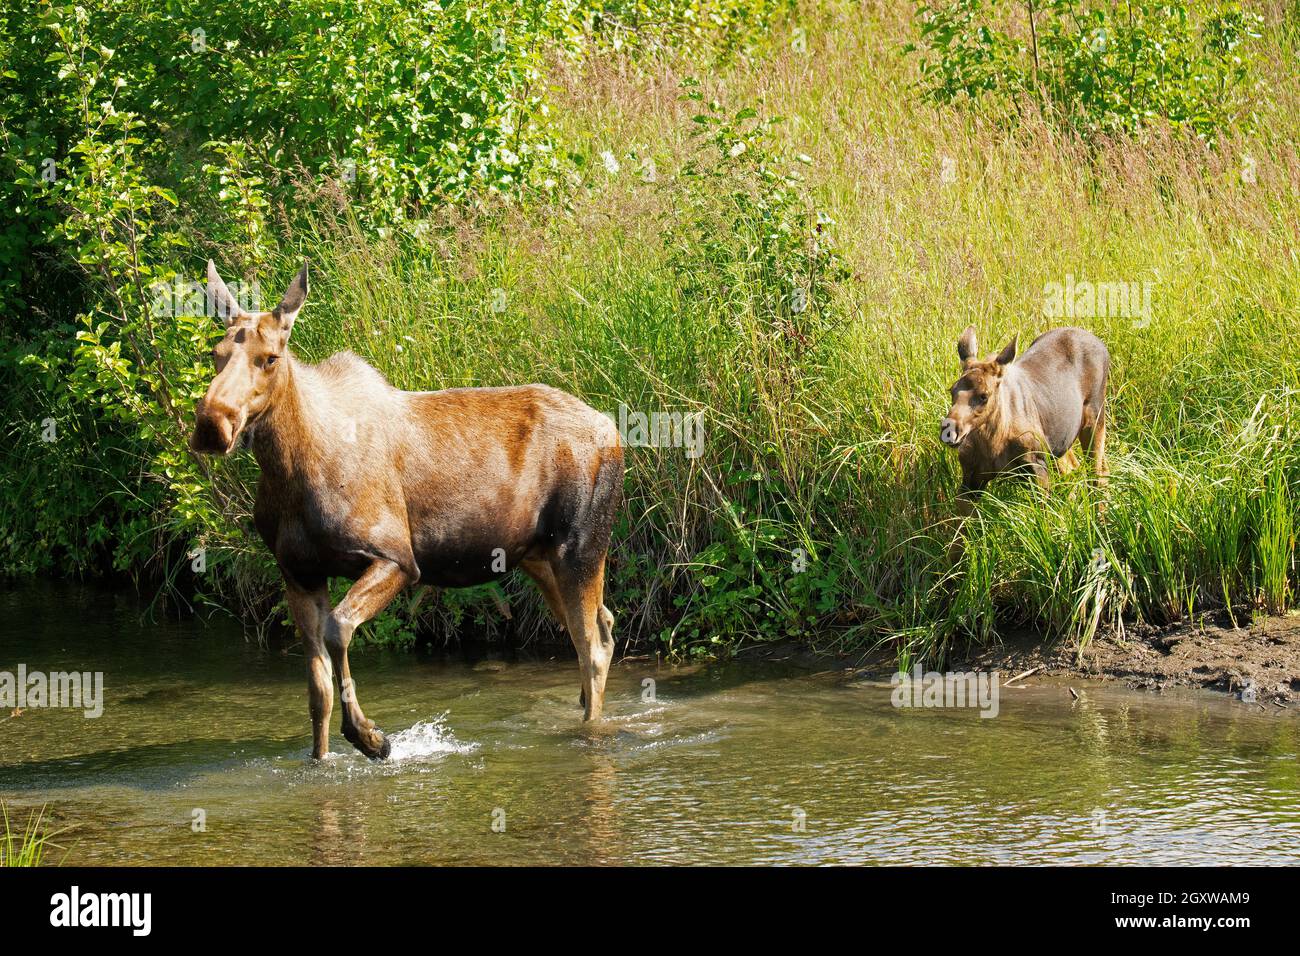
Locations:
(396, 105)
(746, 220)
(752, 251)
(1096, 66)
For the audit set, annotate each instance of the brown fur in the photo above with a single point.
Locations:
(389, 488)
(1007, 417)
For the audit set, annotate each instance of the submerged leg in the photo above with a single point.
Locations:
(542, 575)
(371, 593)
(310, 610)
(591, 626)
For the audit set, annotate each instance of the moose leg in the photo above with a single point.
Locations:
(1067, 462)
(972, 486)
(367, 597)
(1031, 459)
(605, 622)
(591, 626)
(1094, 439)
(544, 578)
(1038, 467)
(309, 610)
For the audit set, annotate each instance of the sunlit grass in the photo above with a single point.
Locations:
(835, 456)
(28, 846)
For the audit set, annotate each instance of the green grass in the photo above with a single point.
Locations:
(29, 846)
(835, 453)
(827, 448)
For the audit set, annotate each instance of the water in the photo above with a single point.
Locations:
(716, 769)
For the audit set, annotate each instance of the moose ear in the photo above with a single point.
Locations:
(220, 300)
(1008, 353)
(967, 346)
(293, 299)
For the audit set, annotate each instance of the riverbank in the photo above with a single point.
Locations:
(794, 288)
(1262, 656)
(1209, 654)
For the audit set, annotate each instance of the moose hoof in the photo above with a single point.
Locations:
(370, 741)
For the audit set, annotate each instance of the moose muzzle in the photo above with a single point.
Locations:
(949, 434)
(215, 429)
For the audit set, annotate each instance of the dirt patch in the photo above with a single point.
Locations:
(1263, 657)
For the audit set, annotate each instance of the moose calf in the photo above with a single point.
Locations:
(1009, 414)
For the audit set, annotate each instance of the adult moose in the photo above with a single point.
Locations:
(1009, 414)
(387, 488)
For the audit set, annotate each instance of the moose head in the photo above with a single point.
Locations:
(975, 394)
(249, 361)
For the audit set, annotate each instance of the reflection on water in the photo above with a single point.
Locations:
(729, 764)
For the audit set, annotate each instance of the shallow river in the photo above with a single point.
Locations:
(201, 757)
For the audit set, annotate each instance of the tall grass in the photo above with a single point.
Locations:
(28, 846)
(834, 456)
(823, 505)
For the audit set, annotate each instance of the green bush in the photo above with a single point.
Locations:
(744, 219)
(396, 106)
(1095, 66)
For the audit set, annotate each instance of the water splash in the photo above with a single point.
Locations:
(426, 738)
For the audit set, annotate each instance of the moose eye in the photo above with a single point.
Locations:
(271, 360)
(981, 399)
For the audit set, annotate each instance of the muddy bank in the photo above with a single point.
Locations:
(1215, 655)
(1263, 656)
